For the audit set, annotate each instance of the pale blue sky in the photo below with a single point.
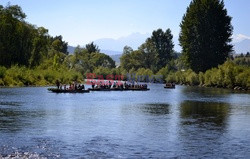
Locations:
(82, 21)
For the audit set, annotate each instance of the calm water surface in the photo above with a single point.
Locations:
(186, 122)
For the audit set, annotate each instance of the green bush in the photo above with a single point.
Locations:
(144, 74)
(102, 71)
(192, 78)
(228, 75)
(2, 71)
(171, 78)
(164, 72)
(201, 78)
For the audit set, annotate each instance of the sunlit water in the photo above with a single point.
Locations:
(186, 122)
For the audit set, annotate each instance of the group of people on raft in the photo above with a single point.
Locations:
(74, 86)
(118, 85)
(109, 85)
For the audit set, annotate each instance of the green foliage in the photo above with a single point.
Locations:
(30, 56)
(59, 45)
(171, 78)
(163, 44)
(100, 59)
(132, 60)
(164, 72)
(206, 32)
(16, 37)
(40, 49)
(201, 78)
(126, 58)
(2, 71)
(102, 71)
(244, 61)
(154, 54)
(22, 43)
(23, 76)
(228, 75)
(150, 57)
(191, 78)
(83, 61)
(91, 47)
(142, 74)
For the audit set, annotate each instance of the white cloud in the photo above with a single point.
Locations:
(239, 37)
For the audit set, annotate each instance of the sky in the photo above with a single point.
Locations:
(83, 21)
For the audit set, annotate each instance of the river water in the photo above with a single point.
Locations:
(186, 122)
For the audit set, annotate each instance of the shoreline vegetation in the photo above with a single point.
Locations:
(229, 75)
(32, 57)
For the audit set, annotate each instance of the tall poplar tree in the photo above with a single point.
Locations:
(205, 35)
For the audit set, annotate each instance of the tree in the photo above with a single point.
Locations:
(132, 59)
(91, 47)
(162, 41)
(150, 56)
(100, 59)
(40, 46)
(205, 35)
(59, 45)
(15, 11)
(125, 58)
(15, 36)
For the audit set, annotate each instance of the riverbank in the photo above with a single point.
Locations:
(229, 75)
(236, 89)
(23, 76)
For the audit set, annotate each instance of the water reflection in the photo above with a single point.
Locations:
(203, 124)
(9, 120)
(155, 109)
(10, 103)
(204, 112)
(206, 91)
(13, 120)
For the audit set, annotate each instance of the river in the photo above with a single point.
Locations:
(186, 122)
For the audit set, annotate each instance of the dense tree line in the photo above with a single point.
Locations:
(26, 49)
(30, 56)
(242, 60)
(23, 43)
(205, 38)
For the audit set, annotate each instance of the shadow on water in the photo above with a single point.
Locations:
(155, 109)
(198, 112)
(10, 104)
(14, 120)
(9, 120)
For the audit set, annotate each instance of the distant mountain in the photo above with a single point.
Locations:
(71, 49)
(112, 46)
(115, 55)
(134, 40)
(116, 58)
(111, 52)
(242, 46)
